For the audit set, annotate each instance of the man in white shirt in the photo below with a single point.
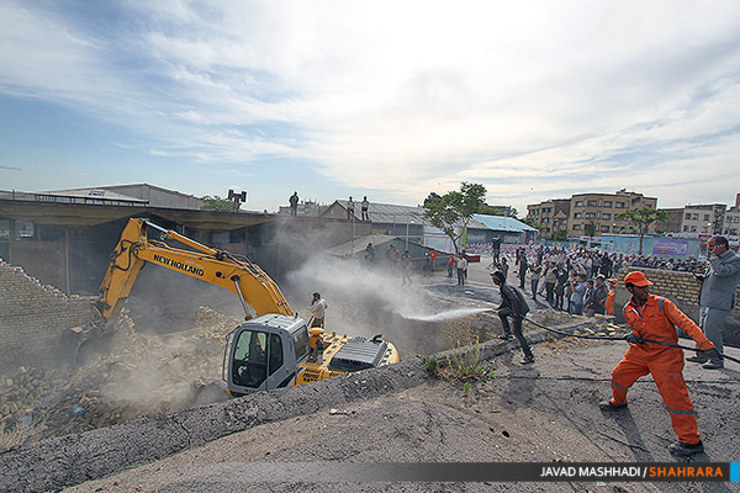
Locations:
(318, 310)
(462, 268)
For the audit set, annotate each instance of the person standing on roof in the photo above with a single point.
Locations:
(293, 200)
(656, 318)
(318, 310)
(364, 208)
(350, 208)
(515, 306)
(717, 298)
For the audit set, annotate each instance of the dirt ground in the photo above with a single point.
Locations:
(541, 413)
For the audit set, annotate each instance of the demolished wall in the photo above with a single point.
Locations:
(32, 318)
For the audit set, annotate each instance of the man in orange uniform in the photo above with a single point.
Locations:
(609, 304)
(656, 318)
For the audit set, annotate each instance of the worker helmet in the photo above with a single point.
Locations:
(637, 278)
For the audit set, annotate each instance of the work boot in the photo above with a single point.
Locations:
(697, 359)
(680, 449)
(527, 360)
(711, 365)
(609, 406)
(505, 337)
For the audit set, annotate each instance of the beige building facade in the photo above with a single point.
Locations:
(585, 211)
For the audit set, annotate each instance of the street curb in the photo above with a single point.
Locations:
(61, 462)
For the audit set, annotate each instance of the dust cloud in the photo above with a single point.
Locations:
(369, 299)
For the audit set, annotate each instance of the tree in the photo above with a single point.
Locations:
(560, 235)
(641, 219)
(216, 204)
(490, 210)
(452, 211)
(590, 229)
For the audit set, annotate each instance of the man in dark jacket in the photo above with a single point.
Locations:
(598, 298)
(515, 306)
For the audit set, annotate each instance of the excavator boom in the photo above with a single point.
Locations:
(240, 276)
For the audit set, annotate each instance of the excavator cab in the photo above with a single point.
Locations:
(264, 354)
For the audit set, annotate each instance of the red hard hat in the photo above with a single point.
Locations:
(637, 278)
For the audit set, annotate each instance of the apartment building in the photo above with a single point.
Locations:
(731, 226)
(706, 219)
(602, 209)
(586, 210)
(550, 216)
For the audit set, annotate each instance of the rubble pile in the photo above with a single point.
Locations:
(142, 375)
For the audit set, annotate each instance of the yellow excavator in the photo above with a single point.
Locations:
(268, 351)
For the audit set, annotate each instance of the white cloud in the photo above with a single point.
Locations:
(407, 97)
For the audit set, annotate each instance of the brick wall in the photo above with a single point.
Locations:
(32, 318)
(682, 289)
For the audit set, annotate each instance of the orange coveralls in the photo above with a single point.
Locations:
(663, 362)
(609, 303)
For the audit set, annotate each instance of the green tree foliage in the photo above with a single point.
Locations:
(560, 235)
(490, 210)
(590, 229)
(640, 219)
(216, 204)
(452, 211)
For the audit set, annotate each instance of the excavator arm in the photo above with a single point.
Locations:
(240, 276)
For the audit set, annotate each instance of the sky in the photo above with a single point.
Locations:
(386, 99)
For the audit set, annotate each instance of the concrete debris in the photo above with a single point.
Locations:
(142, 375)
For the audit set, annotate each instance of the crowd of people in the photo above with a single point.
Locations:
(592, 260)
(577, 280)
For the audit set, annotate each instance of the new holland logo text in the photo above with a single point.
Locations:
(176, 264)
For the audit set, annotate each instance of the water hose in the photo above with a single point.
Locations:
(622, 338)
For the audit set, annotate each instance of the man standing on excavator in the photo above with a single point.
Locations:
(318, 310)
(656, 318)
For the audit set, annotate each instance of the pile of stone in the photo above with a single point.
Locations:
(141, 375)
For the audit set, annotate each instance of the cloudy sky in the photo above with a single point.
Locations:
(389, 99)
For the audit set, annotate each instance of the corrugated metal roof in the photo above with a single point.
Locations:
(502, 223)
(388, 213)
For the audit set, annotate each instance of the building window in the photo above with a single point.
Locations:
(576, 227)
(706, 217)
(615, 229)
(590, 215)
(579, 203)
(619, 205)
(577, 215)
(695, 217)
(606, 215)
(687, 216)
(605, 229)
(607, 203)
(592, 203)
